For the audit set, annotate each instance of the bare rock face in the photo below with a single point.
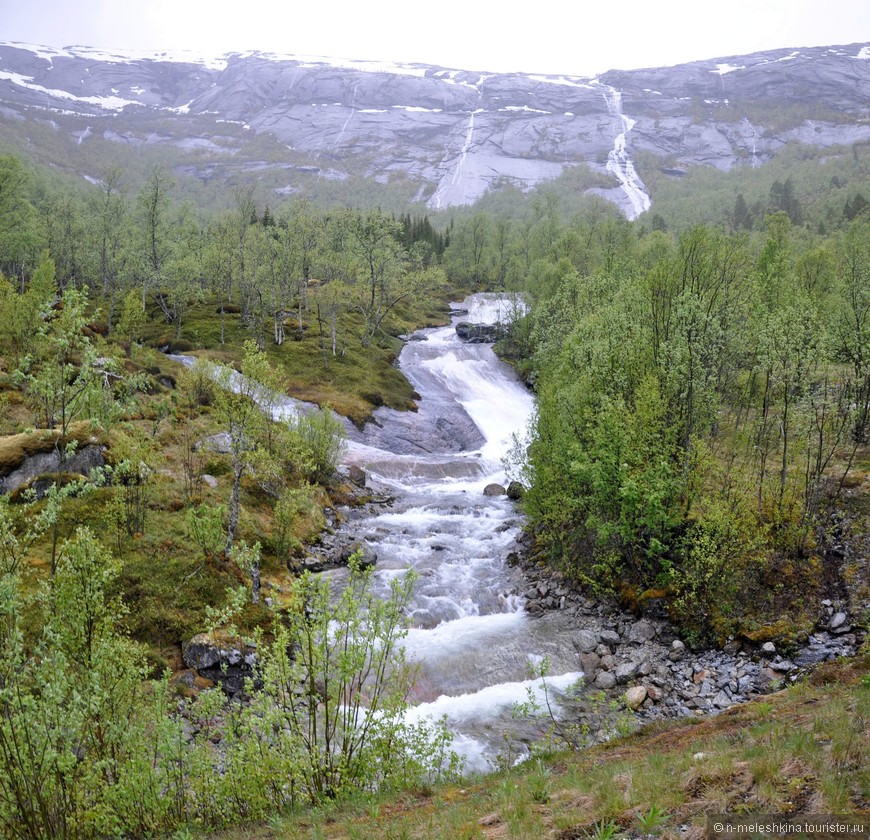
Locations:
(453, 134)
(224, 663)
(82, 461)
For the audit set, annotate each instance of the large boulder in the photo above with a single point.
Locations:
(224, 662)
(27, 457)
(586, 641)
(642, 631)
(605, 680)
(635, 696)
(494, 490)
(479, 333)
(219, 443)
(515, 491)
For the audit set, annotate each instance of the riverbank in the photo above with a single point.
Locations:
(643, 658)
(798, 751)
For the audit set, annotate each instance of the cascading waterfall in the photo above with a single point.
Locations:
(449, 183)
(619, 164)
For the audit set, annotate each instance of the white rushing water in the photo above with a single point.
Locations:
(473, 641)
(619, 164)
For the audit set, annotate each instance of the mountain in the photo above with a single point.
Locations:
(445, 136)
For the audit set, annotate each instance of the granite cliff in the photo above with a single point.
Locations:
(451, 134)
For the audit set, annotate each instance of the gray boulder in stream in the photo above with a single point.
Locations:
(494, 490)
(479, 333)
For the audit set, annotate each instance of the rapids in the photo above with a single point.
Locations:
(474, 643)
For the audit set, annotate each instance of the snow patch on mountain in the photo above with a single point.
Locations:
(107, 103)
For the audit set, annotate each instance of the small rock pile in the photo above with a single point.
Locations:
(644, 661)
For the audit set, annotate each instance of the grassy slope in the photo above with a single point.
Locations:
(354, 382)
(800, 751)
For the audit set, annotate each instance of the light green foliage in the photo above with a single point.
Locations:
(89, 747)
(133, 320)
(76, 721)
(24, 312)
(17, 217)
(239, 415)
(650, 822)
(247, 558)
(319, 440)
(60, 376)
(692, 389)
(132, 476)
(345, 729)
(205, 526)
(293, 504)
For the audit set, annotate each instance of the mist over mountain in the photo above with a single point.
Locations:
(448, 136)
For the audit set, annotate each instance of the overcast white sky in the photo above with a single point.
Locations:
(539, 37)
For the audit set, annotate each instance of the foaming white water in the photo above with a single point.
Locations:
(481, 705)
(470, 636)
(619, 164)
(489, 308)
(489, 710)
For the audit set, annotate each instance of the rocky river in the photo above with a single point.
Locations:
(484, 618)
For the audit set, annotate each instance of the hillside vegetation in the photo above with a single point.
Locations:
(700, 444)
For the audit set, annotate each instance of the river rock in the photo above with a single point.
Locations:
(589, 665)
(605, 680)
(610, 637)
(357, 475)
(494, 490)
(722, 700)
(635, 696)
(625, 671)
(586, 641)
(677, 651)
(479, 333)
(837, 621)
(654, 693)
(515, 491)
(642, 631)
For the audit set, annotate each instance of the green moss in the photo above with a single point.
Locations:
(353, 382)
(15, 448)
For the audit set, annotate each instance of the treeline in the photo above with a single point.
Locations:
(702, 398)
(269, 268)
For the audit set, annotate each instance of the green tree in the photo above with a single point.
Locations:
(238, 413)
(18, 237)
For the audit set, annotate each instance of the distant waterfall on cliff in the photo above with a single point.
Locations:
(619, 164)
